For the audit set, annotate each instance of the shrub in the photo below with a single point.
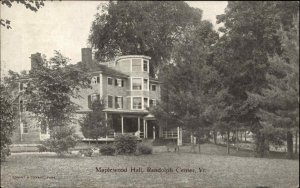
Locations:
(107, 149)
(86, 152)
(5, 151)
(125, 144)
(145, 149)
(61, 139)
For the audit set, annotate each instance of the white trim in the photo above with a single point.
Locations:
(101, 86)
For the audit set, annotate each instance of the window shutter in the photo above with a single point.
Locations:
(116, 82)
(98, 97)
(122, 101)
(122, 83)
(98, 79)
(116, 102)
(89, 101)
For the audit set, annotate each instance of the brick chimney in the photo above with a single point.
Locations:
(86, 55)
(36, 60)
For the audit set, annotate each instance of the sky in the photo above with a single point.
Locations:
(62, 26)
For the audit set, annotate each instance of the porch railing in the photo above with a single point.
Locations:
(169, 134)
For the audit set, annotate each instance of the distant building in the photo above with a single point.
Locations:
(127, 89)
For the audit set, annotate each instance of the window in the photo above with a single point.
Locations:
(25, 128)
(109, 81)
(119, 102)
(145, 84)
(43, 127)
(136, 65)
(92, 98)
(145, 103)
(136, 83)
(109, 101)
(153, 87)
(95, 80)
(152, 102)
(136, 102)
(119, 82)
(145, 63)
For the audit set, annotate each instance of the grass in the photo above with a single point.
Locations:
(45, 170)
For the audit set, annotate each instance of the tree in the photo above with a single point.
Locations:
(6, 121)
(142, 28)
(52, 86)
(94, 124)
(33, 5)
(279, 111)
(241, 56)
(190, 81)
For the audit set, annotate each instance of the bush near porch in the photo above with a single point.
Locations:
(125, 144)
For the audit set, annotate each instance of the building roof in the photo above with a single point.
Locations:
(95, 67)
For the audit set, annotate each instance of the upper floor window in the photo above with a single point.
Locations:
(95, 80)
(145, 103)
(136, 65)
(153, 87)
(152, 102)
(136, 83)
(145, 65)
(119, 82)
(136, 102)
(119, 102)
(109, 101)
(109, 81)
(92, 98)
(145, 84)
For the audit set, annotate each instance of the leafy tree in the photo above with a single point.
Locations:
(51, 88)
(94, 124)
(33, 5)
(241, 56)
(142, 28)
(61, 139)
(6, 121)
(279, 111)
(191, 82)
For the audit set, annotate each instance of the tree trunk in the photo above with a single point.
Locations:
(215, 136)
(193, 143)
(241, 133)
(245, 136)
(296, 144)
(228, 135)
(289, 142)
(199, 147)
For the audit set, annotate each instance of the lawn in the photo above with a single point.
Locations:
(46, 170)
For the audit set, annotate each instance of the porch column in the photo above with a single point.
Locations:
(122, 124)
(144, 123)
(146, 130)
(154, 132)
(106, 124)
(139, 124)
(179, 136)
